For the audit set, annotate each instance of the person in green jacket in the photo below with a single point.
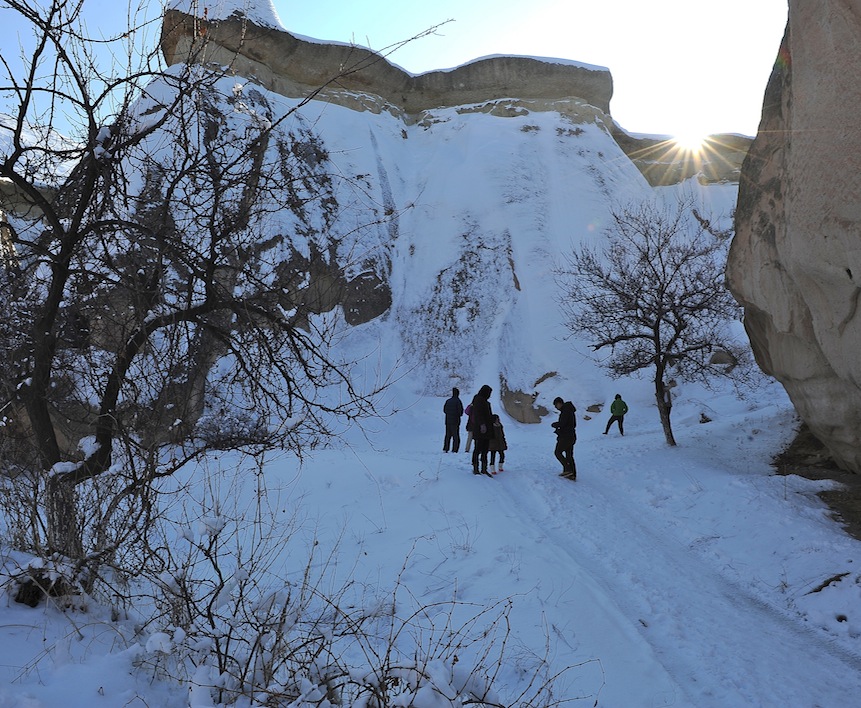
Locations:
(618, 408)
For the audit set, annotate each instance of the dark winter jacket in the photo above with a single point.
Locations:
(481, 416)
(567, 423)
(453, 410)
(497, 442)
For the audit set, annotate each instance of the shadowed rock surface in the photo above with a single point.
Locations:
(795, 262)
(295, 67)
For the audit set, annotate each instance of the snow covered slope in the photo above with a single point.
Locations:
(458, 215)
(464, 215)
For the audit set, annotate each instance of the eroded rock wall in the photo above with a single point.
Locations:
(295, 67)
(795, 262)
(359, 79)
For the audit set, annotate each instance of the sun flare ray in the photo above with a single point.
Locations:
(690, 142)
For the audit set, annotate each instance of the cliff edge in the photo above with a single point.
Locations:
(364, 80)
(296, 67)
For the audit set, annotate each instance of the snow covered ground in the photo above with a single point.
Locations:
(688, 576)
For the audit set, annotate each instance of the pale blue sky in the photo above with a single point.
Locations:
(678, 66)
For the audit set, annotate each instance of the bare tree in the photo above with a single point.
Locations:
(654, 295)
(156, 271)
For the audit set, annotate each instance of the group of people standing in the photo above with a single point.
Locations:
(484, 428)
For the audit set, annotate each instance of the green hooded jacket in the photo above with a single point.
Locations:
(618, 407)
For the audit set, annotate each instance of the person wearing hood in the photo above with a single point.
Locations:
(481, 422)
(618, 408)
(497, 445)
(566, 436)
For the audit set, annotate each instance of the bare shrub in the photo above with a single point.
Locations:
(233, 614)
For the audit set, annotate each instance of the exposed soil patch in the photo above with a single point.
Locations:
(807, 457)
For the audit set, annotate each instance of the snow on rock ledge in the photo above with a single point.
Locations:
(261, 12)
(248, 37)
(253, 44)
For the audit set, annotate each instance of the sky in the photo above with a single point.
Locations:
(680, 67)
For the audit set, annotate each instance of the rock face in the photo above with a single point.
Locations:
(360, 79)
(295, 67)
(795, 262)
(357, 78)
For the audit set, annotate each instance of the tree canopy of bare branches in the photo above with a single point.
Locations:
(653, 294)
(154, 277)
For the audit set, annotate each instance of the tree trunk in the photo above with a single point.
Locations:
(664, 407)
(64, 528)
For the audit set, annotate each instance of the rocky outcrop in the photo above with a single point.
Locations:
(360, 79)
(795, 262)
(295, 67)
(520, 405)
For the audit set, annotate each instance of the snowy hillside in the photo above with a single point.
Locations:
(476, 206)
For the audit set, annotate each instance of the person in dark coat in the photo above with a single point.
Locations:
(482, 429)
(566, 436)
(453, 410)
(497, 445)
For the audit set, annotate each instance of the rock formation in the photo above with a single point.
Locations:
(360, 79)
(795, 262)
(295, 67)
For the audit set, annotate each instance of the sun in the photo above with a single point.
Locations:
(690, 142)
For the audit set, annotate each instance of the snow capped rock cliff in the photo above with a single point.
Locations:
(452, 214)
